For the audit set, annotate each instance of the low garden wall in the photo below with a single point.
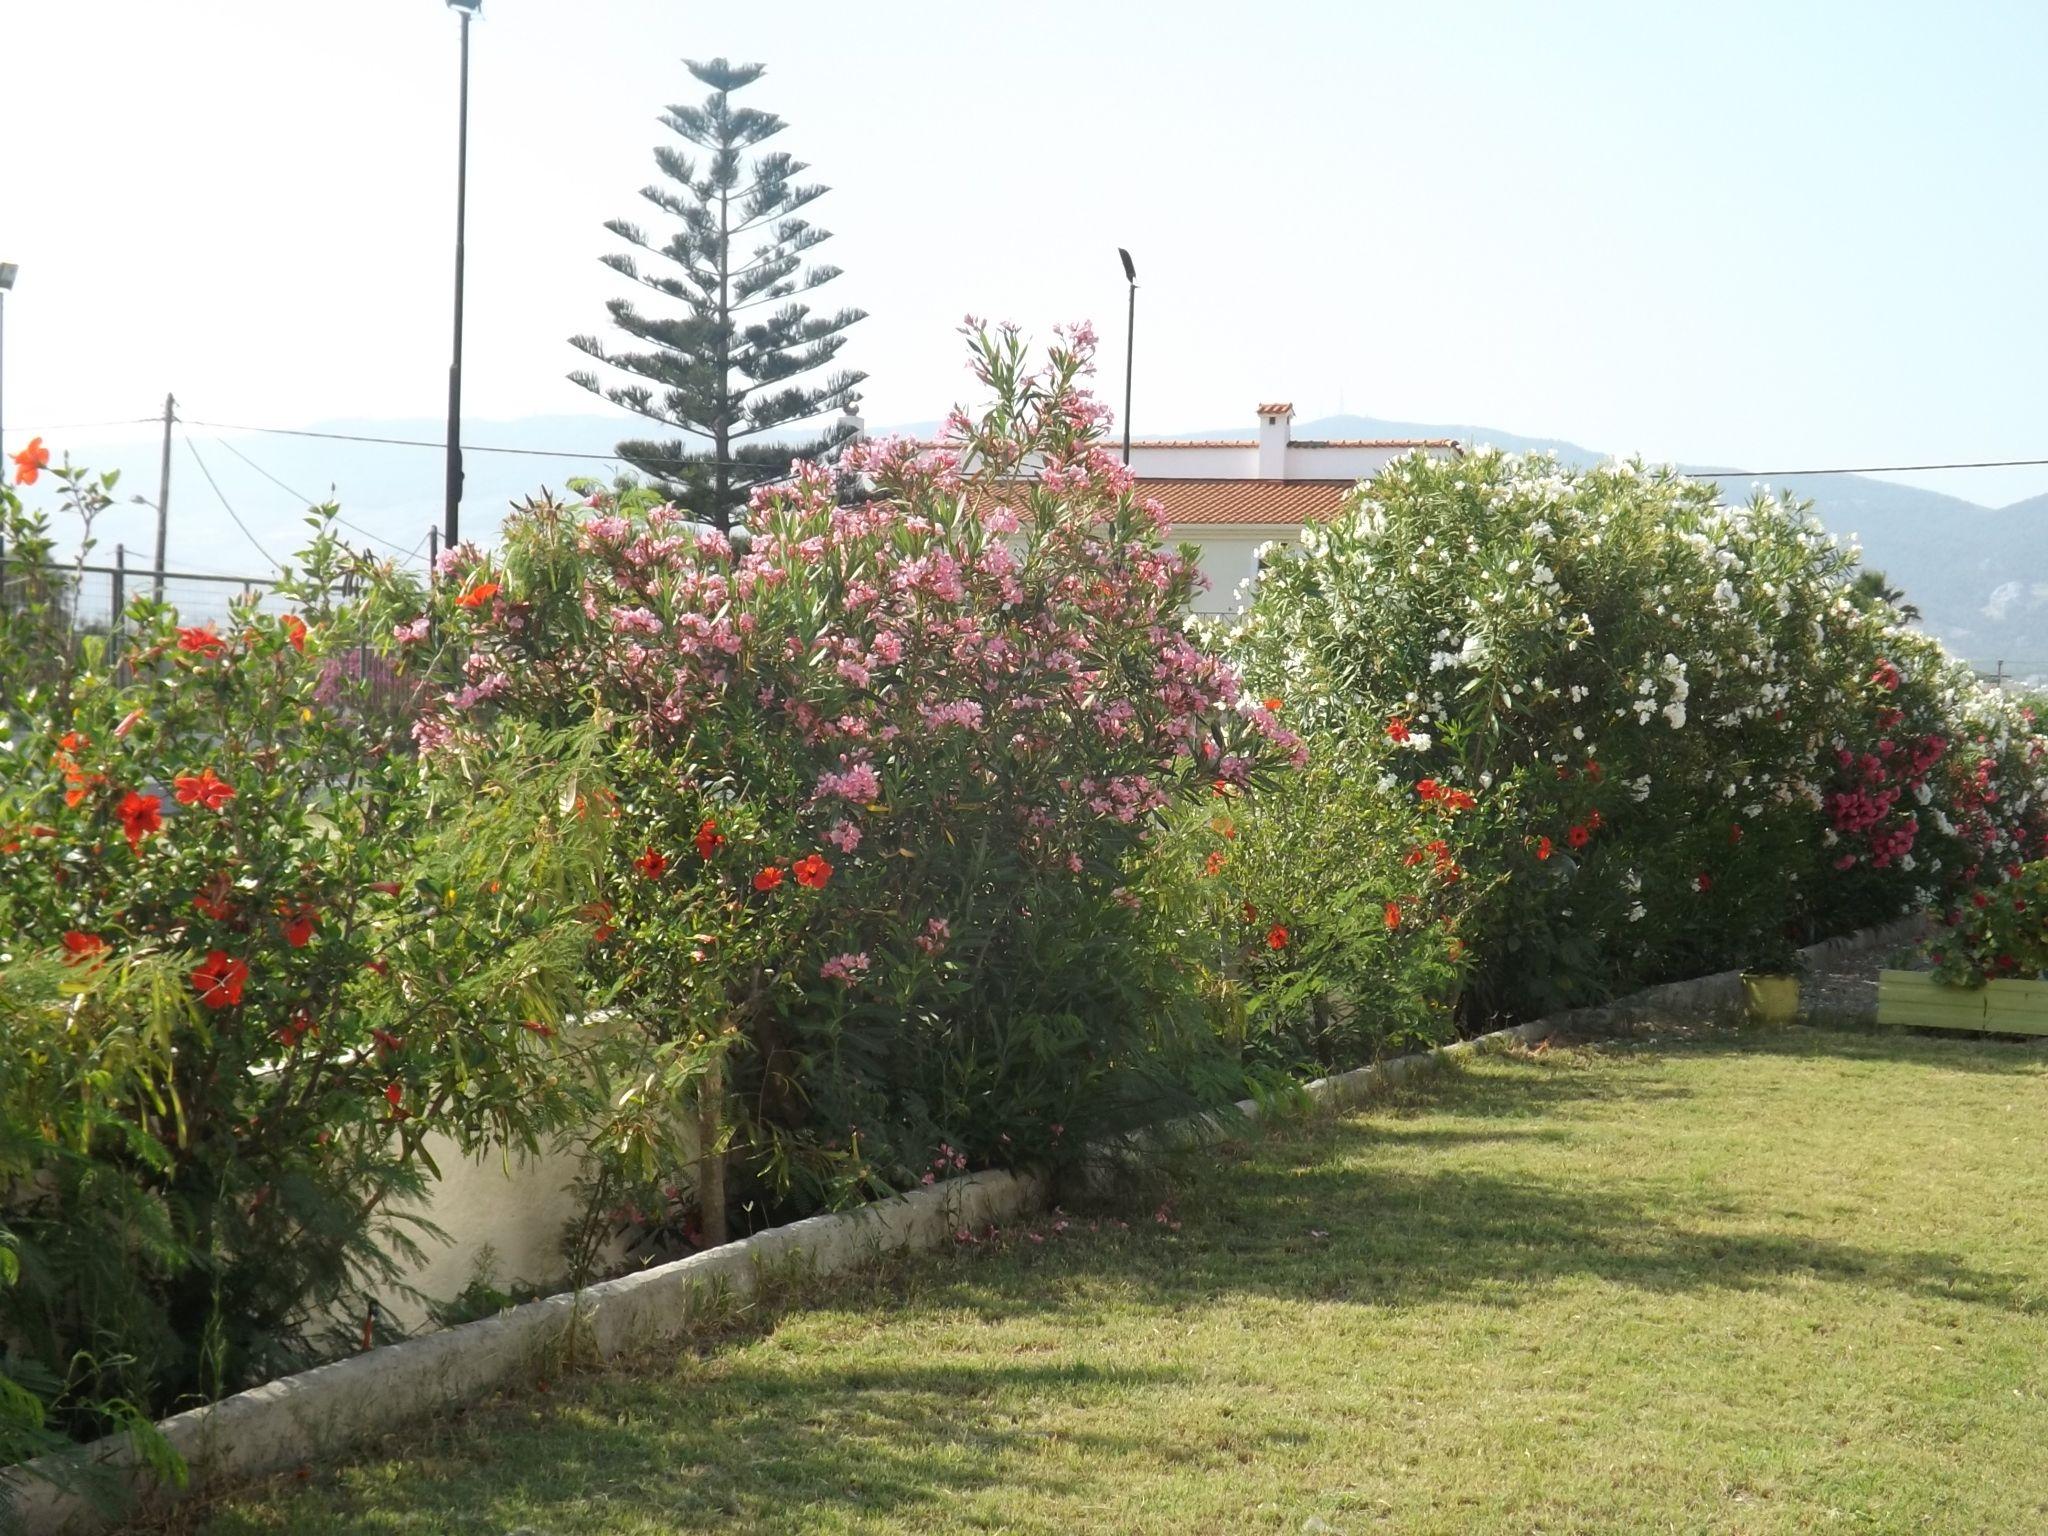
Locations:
(324, 1412)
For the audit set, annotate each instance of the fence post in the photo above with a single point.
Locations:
(119, 595)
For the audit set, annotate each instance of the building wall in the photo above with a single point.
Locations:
(1227, 559)
(1171, 463)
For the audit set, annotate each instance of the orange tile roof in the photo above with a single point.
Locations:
(1280, 408)
(1248, 443)
(1250, 503)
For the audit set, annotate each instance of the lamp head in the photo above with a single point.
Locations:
(1130, 270)
(467, 7)
(7, 271)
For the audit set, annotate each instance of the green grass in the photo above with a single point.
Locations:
(1769, 1283)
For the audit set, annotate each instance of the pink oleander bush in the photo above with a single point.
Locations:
(879, 776)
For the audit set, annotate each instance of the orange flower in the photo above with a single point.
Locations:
(30, 462)
(653, 864)
(203, 788)
(1213, 865)
(83, 946)
(709, 838)
(295, 631)
(1393, 915)
(201, 640)
(478, 595)
(812, 872)
(1272, 705)
(1397, 729)
(1276, 937)
(140, 815)
(769, 878)
(599, 915)
(218, 981)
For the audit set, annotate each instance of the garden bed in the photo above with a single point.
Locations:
(1917, 1000)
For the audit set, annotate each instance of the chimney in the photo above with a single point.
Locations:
(1273, 438)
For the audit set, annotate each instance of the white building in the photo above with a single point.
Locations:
(1231, 495)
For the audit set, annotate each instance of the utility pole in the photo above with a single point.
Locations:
(163, 498)
(453, 533)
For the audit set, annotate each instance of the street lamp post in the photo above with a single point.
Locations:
(1130, 340)
(453, 531)
(7, 271)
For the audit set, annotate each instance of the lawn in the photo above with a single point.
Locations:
(1756, 1283)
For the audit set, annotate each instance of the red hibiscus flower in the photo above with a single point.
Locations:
(709, 838)
(1393, 915)
(1543, 847)
(599, 915)
(218, 980)
(653, 864)
(478, 595)
(1397, 729)
(1428, 789)
(1458, 800)
(294, 629)
(140, 816)
(200, 640)
(83, 946)
(394, 1095)
(298, 927)
(812, 872)
(203, 788)
(769, 878)
(1413, 857)
(1272, 705)
(213, 901)
(1579, 836)
(1276, 937)
(30, 462)
(296, 1028)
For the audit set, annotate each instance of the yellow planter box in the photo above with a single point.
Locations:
(1917, 1000)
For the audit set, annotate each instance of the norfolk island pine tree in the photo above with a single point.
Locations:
(726, 369)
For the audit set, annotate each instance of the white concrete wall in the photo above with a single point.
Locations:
(1228, 558)
(1242, 462)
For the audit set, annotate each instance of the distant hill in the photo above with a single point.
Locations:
(1978, 574)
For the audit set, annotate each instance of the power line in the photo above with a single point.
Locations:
(421, 442)
(1868, 469)
(302, 497)
(224, 502)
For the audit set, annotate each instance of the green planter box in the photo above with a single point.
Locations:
(1916, 999)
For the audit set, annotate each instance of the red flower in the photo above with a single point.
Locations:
(1579, 836)
(653, 864)
(387, 1041)
(294, 630)
(1272, 705)
(394, 1095)
(140, 815)
(1885, 675)
(478, 595)
(83, 946)
(201, 640)
(213, 901)
(1594, 771)
(1595, 820)
(218, 981)
(298, 927)
(203, 788)
(1213, 865)
(1393, 915)
(545, 1031)
(1703, 881)
(769, 878)
(1542, 847)
(30, 462)
(812, 872)
(1413, 857)
(599, 915)
(1276, 937)
(1734, 831)
(1397, 729)
(386, 887)
(709, 838)
(1428, 789)
(296, 1028)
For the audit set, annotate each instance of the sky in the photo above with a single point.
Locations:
(1766, 235)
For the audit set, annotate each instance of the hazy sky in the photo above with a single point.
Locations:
(1772, 234)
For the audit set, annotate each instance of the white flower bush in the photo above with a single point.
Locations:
(1692, 741)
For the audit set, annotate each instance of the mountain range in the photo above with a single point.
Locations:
(1978, 575)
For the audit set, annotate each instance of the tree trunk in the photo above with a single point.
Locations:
(710, 1159)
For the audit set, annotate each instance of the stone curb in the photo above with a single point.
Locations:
(322, 1412)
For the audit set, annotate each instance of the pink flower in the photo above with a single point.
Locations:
(856, 781)
(845, 969)
(843, 835)
(936, 933)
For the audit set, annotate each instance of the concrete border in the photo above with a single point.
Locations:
(323, 1412)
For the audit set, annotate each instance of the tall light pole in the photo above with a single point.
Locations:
(453, 531)
(7, 271)
(1130, 339)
